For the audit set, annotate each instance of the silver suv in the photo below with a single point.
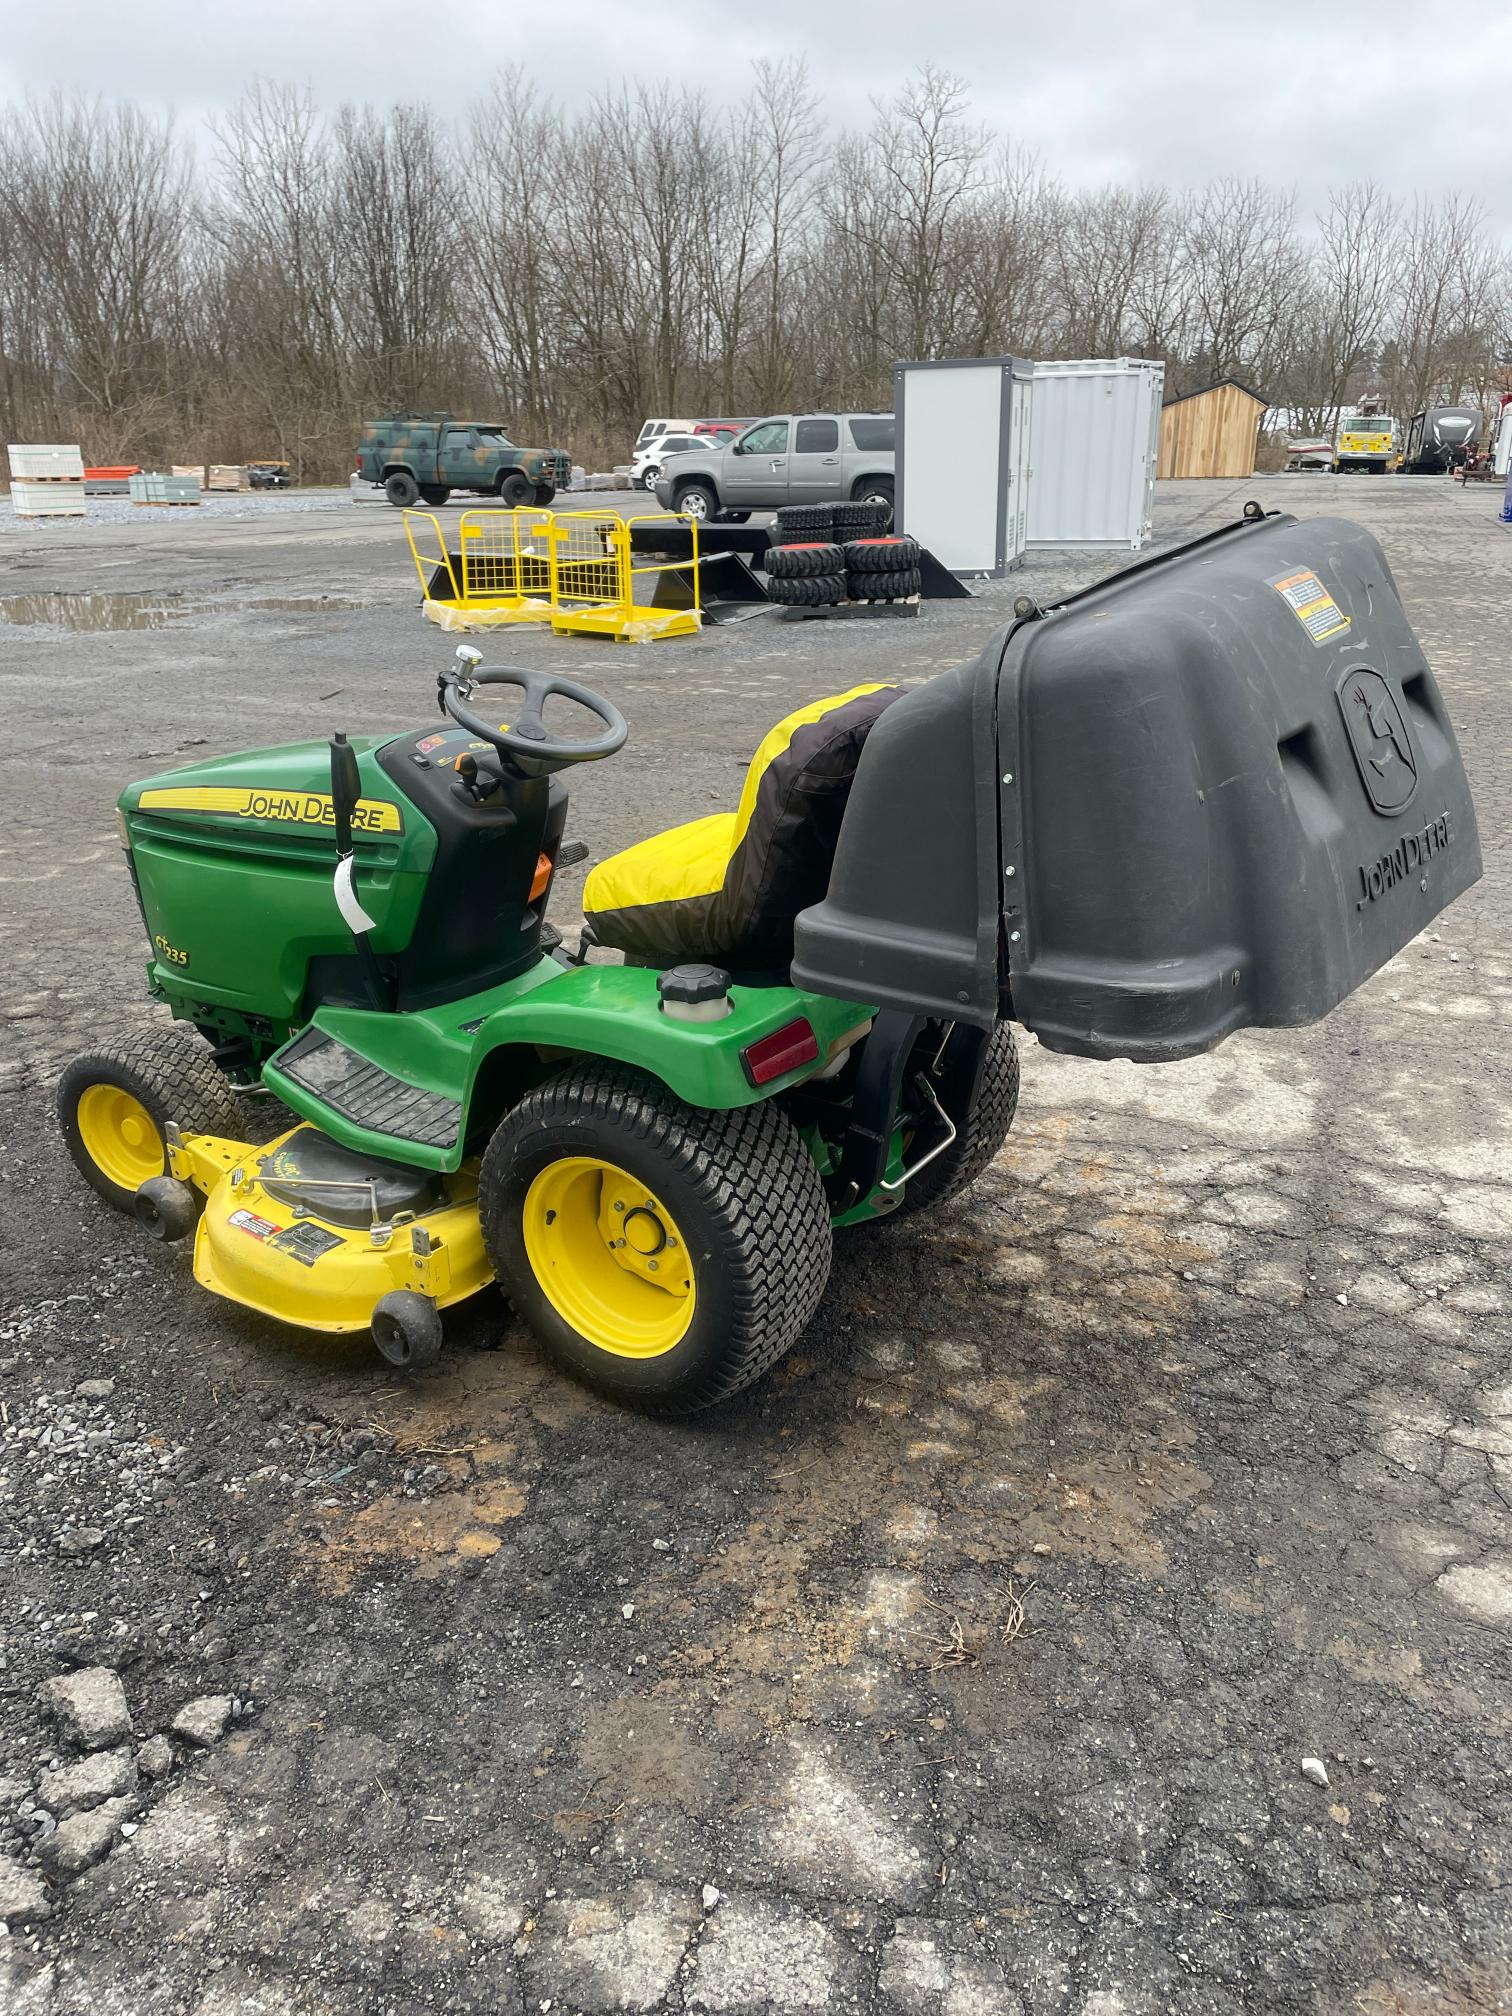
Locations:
(791, 458)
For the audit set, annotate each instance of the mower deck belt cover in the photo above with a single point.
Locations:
(1219, 789)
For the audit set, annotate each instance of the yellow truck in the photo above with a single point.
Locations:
(1365, 441)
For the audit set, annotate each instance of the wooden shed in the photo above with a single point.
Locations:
(1211, 432)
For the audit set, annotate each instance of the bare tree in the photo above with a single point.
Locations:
(645, 254)
(1244, 264)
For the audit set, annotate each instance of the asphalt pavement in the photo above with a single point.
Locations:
(967, 1666)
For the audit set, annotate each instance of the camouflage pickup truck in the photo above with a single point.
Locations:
(425, 456)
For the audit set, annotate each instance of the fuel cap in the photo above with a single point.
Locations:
(694, 993)
(694, 982)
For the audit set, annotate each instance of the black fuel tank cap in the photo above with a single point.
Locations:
(696, 981)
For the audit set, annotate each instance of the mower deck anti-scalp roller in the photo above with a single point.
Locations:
(1217, 790)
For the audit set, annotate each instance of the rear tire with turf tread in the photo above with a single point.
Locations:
(796, 563)
(811, 592)
(171, 1074)
(741, 1186)
(985, 1131)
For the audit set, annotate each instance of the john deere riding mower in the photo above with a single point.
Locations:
(1216, 790)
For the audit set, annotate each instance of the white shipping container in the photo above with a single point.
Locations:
(962, 459)
(1096, 446)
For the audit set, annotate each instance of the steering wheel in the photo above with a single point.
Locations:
(527, 743)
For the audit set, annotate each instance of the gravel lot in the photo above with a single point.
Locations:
(964, 1668)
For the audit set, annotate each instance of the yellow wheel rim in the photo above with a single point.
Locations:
(609, 1257)
(120, 1136)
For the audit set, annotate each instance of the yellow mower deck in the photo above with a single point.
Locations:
(255, 1249)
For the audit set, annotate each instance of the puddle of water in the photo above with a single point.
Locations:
(146, 611)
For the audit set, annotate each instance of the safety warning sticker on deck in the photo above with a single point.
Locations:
(1312, 605)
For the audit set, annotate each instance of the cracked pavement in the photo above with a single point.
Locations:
(962, 1668)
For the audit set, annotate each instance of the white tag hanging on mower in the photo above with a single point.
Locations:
(348, 903)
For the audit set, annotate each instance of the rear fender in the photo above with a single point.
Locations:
(482, 1052)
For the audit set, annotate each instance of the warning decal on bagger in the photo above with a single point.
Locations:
(1312, 605)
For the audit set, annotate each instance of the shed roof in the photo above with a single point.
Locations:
(1248, 391)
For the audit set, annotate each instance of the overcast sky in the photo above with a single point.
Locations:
(1417, 93)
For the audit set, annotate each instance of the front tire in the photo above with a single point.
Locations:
(544, 493)
(696, 500)
(515, 489)
(401, 490)
(983, 1134)
(114, 1105)
(663, 1254)
(406, 1330)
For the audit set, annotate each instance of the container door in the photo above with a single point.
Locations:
(814, 472)
(1151, 385)
(1020, 423)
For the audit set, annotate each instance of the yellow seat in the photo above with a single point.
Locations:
(728, 887)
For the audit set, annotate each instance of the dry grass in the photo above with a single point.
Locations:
(964, 1644)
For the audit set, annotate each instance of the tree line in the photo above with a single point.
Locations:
(572, 272)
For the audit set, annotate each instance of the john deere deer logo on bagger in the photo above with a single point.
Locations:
(1379, 738)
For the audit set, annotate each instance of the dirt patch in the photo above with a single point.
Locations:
(430, 1540)
(636, 1752)
(1474, 1994)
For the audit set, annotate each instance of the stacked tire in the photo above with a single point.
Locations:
(795, 523)
(864, 519)
(809, 574)
(881, 569)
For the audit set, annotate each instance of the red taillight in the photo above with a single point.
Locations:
(784, 1050)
